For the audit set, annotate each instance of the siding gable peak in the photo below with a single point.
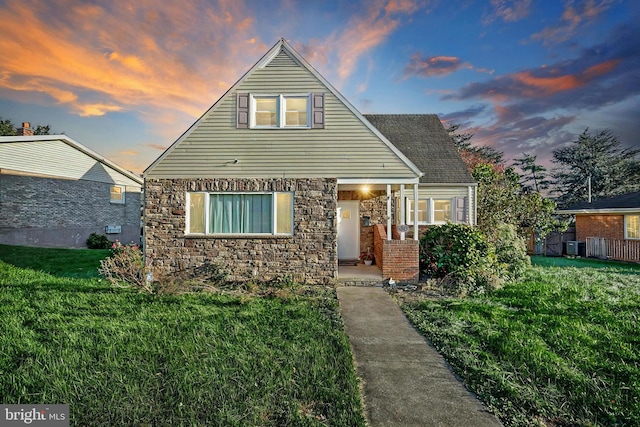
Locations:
(276, 68)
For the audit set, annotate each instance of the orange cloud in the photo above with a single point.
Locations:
(549, 85)
(573, 17)
(366, 31)
(135, 56)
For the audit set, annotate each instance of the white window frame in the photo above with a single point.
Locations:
(122, 193)
(626, 226)
(274, 214)
(281, 110)
(430, 210)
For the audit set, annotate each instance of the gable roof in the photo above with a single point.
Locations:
(282, 55)
(62, 157)
(423, 139)
(629, 202)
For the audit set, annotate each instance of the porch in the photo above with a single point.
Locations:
(619, 250)
(371, 221)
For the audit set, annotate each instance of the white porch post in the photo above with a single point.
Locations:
(388, 211)
(402, 210)
(415, 212)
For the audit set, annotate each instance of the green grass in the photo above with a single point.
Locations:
(123, 358)
(561, 347)
(62, 262)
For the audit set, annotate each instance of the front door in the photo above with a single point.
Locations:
(348, 229)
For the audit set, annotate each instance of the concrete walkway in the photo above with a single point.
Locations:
(405, 381)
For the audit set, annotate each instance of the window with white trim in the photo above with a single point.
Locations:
(240, 213)
(430, 211)
(281, 111)
(632, 226)
(117, 193)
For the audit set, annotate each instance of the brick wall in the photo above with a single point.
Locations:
(53, 212)
(398, 259)
(606, 226)
(309, 256)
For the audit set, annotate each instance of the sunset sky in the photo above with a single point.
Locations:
(126, 78)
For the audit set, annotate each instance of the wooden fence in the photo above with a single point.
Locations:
(621, 250)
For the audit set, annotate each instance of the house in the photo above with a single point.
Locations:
(609, 227)
(284, 176)
(54, 192)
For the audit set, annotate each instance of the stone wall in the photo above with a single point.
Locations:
(308, 256)
(50, 212)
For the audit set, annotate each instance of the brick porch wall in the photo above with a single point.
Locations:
(398, 259)
(308, 256)
(606, 226)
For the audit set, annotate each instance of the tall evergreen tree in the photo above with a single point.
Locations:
(533, 177)
(600, 159)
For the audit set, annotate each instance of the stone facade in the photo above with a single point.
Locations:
(308, 256)
(50, 212)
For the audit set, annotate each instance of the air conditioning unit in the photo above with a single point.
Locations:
(113, 229)
(572, 247)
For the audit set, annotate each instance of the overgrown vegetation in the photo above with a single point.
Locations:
(468, 262)
(98, 241)
(120, 357)
(559, 347)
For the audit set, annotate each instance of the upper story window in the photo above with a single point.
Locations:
(280, 111)
(117, 194)
(632, 226)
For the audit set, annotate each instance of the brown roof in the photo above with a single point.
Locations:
(423, 139)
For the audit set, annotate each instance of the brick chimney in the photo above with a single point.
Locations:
(25, 130)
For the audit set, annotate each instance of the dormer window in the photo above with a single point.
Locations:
(280, 111)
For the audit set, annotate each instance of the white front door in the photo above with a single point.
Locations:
(348, 229)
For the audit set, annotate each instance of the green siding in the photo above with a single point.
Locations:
(345, 148)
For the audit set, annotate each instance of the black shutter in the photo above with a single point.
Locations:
(242, 108)
(317, 110)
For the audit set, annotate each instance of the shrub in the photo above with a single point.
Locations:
(98, 241)
(125, 267)
(511, 250)
(462, 256)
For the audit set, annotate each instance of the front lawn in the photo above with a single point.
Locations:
(559, 348)
(123, 358)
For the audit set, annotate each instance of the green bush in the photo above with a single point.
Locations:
(98, 241)
(511, 250)
(462, 257)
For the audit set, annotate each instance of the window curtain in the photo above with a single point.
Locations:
(240, 213)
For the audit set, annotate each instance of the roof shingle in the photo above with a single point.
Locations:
(423, 139)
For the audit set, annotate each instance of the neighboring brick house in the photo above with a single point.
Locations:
(615, 219)
(283, 176)
(54, 192)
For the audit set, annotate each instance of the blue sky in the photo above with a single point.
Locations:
(127, 78)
